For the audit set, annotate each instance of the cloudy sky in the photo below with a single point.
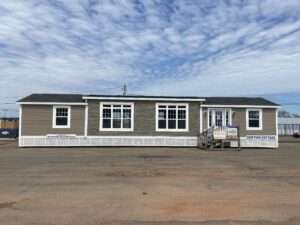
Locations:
(158, 47)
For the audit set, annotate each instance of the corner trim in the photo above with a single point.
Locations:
(277, 131)
(201, 119)
(20, 126)
(86, 120)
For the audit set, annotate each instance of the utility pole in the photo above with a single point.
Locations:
(124, 89)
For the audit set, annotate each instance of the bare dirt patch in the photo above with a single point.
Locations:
(5, 205)
(145, 186)
(12, 204)
(138, 173)
(292, 221)
(154, 157)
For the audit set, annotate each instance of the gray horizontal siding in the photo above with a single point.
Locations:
(37, 120)
(144, 120)
(239, 119)
(269, 122)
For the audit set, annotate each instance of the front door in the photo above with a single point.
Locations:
(219, 118)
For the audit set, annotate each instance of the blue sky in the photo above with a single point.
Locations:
(158, 47)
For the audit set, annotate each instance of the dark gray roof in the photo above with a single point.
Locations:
(73, 98)
(238, 101)
(77, 98)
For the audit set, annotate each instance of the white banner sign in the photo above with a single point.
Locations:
(269, 141)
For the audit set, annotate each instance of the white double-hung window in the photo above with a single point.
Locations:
(254, 119)
(171, 117)
(61, 117)
(116, 116)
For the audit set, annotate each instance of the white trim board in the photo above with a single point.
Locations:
(277, 129)
(51, 103)
(242, 106)
(201, 120)
(145, 99)
(20, 125)
(109, 136)
(86, 120)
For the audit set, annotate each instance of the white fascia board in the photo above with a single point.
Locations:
(145, 99)
(51, 103)
(243, 106)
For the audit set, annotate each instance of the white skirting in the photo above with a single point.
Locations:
(259, 141)
(69, 141)
(250, 141)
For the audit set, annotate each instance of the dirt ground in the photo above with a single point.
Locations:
(136, 186)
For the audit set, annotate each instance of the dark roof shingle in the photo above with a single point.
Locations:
(77, 98)
(238, 101)
(73, 98)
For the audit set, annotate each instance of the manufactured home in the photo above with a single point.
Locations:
(118, 120)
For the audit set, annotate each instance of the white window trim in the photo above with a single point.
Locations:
(171, 130)
(117, 129)
(224, 116)
(54, 117)
(260, 119)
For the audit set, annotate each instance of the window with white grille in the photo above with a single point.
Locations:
(61, 117)
(171, 117)
(254, 119)
(116, 116)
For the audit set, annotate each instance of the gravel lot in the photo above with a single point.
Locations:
(136, 186)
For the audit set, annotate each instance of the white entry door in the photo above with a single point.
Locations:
(219, 117)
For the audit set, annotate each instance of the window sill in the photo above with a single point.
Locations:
(254, 128)
(61, 127)
(171, 130)
(116, 130)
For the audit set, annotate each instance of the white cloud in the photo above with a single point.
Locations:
(188, 47)
(255, 74)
